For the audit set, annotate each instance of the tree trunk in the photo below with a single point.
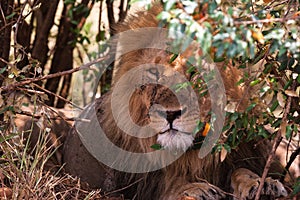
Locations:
(45, 20)
(65, 44)
(6, 7)
(5, 32)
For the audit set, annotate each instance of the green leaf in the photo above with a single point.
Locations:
(69, 1)
(227, 148)
(11, 15)
(289, 131)
(267, 69)
(298, 78)
(199, 127)
(2, 70)
(262, 132)
(296, 187)
(8, 137)
(240, 81)
(234, 117)
(100, 36)
(274, 106)
(5, 109)
(255, 82)
(230, 11)
(164, 15)
(156, 147)
(250, 107)
(173, 58)
(288, 84)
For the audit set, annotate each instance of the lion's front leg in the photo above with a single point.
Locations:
(195, 191)
(245, 184)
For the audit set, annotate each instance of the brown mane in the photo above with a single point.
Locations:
(188, 168)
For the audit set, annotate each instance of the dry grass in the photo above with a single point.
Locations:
(27, 173)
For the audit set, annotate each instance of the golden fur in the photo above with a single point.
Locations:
(188, 176)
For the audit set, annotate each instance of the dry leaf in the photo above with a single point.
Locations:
(230, 107)
(206, 129)
(291, 93)
(268, 97)
(258, 36)
(283, 128)
(14, 70)
(2, 176)
(267, 1)
(280, 99)
(223, 154)
(269, 128)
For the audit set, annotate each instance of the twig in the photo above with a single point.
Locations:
(18, 22)
(26, 113)
(118, 190)
(59, 74)
(31, 91)
(4, 61)
(2, 15)
(288, 165)
(59, 97)
(265, 20)
(276, 142)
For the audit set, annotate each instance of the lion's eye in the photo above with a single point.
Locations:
(153, 71)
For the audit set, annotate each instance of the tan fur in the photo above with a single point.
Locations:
(188, 176)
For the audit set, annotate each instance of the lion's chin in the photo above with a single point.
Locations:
(175, 141)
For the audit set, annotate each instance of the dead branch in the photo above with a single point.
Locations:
(26, 113)
(266, 21)
(59, 97)
(59, 74)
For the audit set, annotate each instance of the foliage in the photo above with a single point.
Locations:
(297, 187)
(262, 39)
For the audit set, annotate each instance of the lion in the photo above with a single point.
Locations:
(123, 115)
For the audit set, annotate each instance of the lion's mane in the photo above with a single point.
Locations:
(188, 168)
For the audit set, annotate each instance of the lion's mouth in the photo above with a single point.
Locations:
(175, 140)
(173, 131)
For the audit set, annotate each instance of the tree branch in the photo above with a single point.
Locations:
(59, 74)
(276, 142)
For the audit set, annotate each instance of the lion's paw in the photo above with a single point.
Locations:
(202, 191)
(245, 184)
(274, 188)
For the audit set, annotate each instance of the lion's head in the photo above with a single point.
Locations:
(155, 94)
(146, 101)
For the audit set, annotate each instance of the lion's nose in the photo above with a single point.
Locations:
(172, 115)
